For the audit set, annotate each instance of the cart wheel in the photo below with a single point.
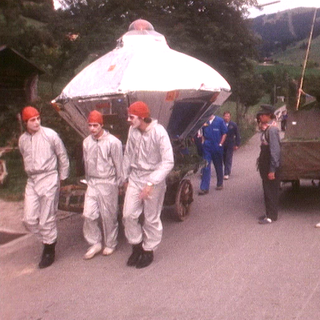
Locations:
(184, 198)
(71, 198)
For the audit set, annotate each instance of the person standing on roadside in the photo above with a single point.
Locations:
(284, 118)
(269, 163)
(148, 159)
(231, 143)
(214, 133)
(102, 155)
(46, 164)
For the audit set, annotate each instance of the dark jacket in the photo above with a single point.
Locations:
(233, 136)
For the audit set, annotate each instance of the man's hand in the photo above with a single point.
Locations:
(271, 176)
(146, 192)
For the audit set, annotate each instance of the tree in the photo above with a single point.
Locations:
(214, 31)
(248, 91)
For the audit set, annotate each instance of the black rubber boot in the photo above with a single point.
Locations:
(145, 260)
(48, 255)
(135, 255)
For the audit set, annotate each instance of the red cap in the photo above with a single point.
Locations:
(139, 109)
(29, 112)
(95, 117)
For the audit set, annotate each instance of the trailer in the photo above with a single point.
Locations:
(300, 148)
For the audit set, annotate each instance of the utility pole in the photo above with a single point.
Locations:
(306, 59)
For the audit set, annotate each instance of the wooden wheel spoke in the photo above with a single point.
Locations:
(184, 199)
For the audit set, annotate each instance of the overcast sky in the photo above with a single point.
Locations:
(283, 5)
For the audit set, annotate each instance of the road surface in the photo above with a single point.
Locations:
(218, 264)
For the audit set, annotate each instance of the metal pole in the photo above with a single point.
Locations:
(306, 59)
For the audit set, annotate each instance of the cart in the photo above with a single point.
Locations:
(181, 92)
(179, 188)
(300, 148)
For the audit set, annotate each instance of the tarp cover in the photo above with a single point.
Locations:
(300, 149)
(304, 124)
(300, 159)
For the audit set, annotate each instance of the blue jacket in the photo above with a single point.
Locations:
(212, 133)
(233, 136)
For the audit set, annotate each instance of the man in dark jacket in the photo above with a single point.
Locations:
(231, 143)
(269, 162)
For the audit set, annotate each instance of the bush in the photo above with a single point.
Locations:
(13, 190)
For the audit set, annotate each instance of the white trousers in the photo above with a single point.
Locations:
(150, 233)
(101, 200)
(41, 205)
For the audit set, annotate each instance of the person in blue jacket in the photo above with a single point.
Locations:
(213, 133)
(231, 143)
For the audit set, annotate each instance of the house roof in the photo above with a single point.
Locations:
(11, 60)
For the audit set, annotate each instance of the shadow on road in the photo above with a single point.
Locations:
(306, 198)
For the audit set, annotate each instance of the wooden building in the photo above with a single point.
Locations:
(18, 78)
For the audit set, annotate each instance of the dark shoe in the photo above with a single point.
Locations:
(135, 255)
(48, 255)
(145, 259)
(265, 221)
(203, 192)
(219, 187)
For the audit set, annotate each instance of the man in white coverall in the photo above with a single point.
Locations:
(102, 155)
(147, 161)
(46, 164)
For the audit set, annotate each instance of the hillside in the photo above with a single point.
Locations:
(295, 53)
(286, 30)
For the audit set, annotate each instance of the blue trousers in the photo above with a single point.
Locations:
(227, 159)
(216, 156)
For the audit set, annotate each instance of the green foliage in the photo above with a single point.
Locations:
(60, 42)
(292, 70)
(50, 118)
(246, 128)
(13, 190)
(295, 53)
(283, 80)
(38, 11)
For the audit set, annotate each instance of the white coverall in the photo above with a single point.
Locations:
(46, 163)
(102, 160)
(148, 158)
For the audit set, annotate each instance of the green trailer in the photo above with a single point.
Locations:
(300, 148)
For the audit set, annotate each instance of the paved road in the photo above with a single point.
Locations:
(218, 264)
